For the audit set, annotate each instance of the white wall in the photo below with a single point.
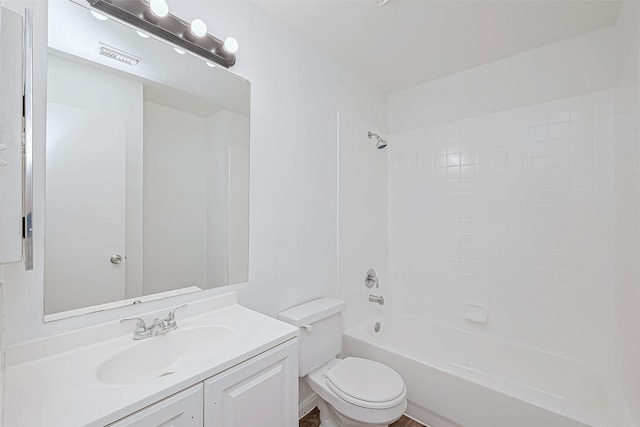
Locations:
(582, 64)
(238, 237)
(627, 205)
(175, 206)
(362, 218)
(296, 92)
(501, 193)
(228, 197)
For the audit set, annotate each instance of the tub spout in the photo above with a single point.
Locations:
(375, 298)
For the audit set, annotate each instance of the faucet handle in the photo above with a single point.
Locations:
(170, 320)
(141, 326)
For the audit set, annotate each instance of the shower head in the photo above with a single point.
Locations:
(381, 142)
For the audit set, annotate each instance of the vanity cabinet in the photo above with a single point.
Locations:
(262, 392)
(259, 392)
(183, 409)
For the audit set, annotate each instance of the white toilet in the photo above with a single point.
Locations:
(354, 392)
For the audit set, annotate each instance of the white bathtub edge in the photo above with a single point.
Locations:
(426, 417)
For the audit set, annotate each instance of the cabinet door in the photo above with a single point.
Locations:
(261, 392)
(183, 409)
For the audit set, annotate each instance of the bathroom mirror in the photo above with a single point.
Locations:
(147, 168)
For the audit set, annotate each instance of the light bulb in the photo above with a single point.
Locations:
(159, 8)
(98, 16)
(198, 28)
(230, 45)
(143, 35)
(179, 51)
(211, 64)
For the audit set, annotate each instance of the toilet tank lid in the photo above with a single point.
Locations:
(311, 311)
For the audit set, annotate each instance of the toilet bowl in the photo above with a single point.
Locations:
(358, 393)
(354, 392)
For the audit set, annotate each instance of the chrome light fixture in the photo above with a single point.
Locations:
(153, 18)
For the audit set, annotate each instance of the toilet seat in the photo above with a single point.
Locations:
(366, 383)
(348, 406)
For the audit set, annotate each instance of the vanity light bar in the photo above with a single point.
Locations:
(112, 53)
(171, 28)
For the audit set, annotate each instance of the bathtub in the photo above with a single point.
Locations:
(459, 378)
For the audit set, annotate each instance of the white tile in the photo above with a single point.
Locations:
(560, 130)
(581, 127)
(560, 113)
(538, 118)
(558, 146)
(522, 210)
(582, 143)
(539, 133)
(604, 124)
(582, 160)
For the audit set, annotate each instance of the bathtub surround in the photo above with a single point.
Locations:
(512, 210)
(507, 184)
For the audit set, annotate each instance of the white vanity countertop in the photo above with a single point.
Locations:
(61, 388)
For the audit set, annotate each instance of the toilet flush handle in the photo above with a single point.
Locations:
(307, 328)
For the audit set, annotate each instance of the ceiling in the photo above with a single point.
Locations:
(407, 42)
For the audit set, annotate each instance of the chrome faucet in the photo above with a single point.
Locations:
(376, 298)
(159, 326)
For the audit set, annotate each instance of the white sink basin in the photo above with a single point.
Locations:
(164, 355)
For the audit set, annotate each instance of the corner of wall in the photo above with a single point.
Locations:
(627, 204)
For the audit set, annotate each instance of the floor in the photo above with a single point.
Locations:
(312, 419)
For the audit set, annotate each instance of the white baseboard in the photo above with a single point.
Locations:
(307, 405)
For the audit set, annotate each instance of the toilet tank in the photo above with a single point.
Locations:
(320, 323)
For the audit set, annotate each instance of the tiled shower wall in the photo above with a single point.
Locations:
(513, 210)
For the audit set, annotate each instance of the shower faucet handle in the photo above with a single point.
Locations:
(371, 280)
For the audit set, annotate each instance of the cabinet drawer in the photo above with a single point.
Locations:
(183, 409)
